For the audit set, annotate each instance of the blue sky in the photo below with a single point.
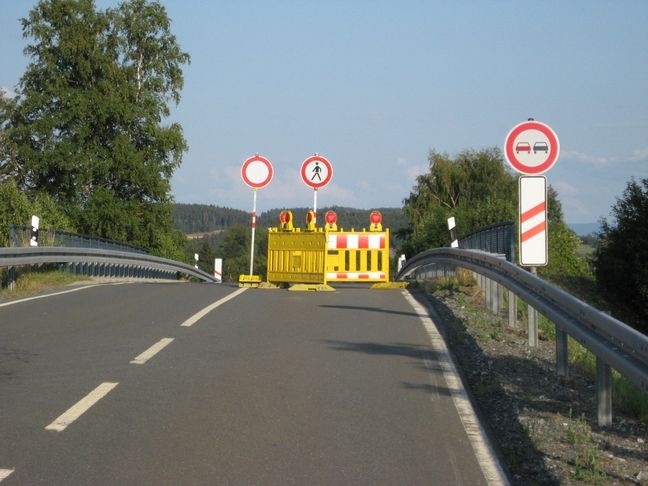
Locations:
(375, 85)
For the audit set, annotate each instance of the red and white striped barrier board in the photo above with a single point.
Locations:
(355, 241)
(356, 276)
(533, 221)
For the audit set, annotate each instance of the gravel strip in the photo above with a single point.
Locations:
(543, 426)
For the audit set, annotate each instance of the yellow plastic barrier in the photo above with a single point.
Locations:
(357, 256)
(296, 257)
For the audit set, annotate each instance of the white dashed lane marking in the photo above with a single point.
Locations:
(4, 473)
(81, 407)
(152, 351)
(200, 314)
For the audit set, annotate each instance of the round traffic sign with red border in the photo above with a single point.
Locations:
(531, 148)
(316, 171)
(257, 171)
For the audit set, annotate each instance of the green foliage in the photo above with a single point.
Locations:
(474, 187)
(234, 249)
(17, 208)
(347, 218)
(586, 457)
(563, 257)
(86, 126)
(203, 218)
(620, 260)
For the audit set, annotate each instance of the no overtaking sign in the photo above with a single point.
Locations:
(531, 148)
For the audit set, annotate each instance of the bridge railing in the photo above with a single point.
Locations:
(20, 235)
(614, 343)
(101, 262)
(496, 238)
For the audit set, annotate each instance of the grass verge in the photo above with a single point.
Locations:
(626, 397)
(33, 282)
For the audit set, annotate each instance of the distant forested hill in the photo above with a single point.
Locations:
(347, 218)
(203, 218)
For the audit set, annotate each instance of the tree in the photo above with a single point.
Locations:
(235, 252)
(474, 187)
(620, 260)
(86, 127)
(477, 189)
(16, 208)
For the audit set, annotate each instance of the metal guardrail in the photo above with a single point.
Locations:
(108, 262)
(496, 238)
(19, 236)
(614, 343)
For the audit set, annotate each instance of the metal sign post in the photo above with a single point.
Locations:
(257, 173)
(532, 148)
(253, 225)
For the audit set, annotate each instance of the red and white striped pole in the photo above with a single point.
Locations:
(253, 225)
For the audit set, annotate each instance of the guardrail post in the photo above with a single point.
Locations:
(500, 298)
(494, 305)
(533, 326)
(603, 392)
(512, 309)
(533, 320)
(562, 364)
(11, 278)
(488, 292)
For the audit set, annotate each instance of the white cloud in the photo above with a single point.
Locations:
(411, 171)
(8, 92)
(564, 188)
(638, 155)
(585, 158)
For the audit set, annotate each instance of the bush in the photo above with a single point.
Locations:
(620, 260)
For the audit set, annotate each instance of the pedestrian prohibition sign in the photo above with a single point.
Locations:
(316, 171)
(531, 148)
(256, 172)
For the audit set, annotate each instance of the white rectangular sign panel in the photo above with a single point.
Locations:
(218, 270)
(533, 233)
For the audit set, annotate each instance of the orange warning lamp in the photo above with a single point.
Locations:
(376, 221)
(286, 220)
(331, 221)
(310, 221)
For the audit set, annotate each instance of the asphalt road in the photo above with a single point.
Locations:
(105, 385)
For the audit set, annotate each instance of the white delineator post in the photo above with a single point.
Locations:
(218, 270)
(454, 243)
(33, 240)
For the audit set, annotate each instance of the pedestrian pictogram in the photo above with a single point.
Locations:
(316, 171)
(531, 148)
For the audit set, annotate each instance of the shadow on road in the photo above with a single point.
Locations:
(370, 309)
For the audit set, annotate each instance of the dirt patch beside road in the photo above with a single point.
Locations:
(544, 426)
